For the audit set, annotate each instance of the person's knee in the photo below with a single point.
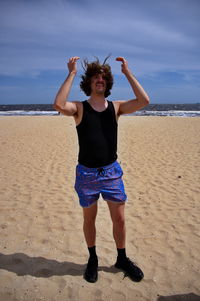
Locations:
(89, 219)
(119, 221)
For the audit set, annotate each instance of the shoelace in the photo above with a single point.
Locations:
(132, 262)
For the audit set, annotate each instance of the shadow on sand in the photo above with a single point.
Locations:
(22, 264)
(185, 297)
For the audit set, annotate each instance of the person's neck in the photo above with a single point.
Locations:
(98, 102)
(96, 99)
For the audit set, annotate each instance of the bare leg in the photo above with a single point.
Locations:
(118, 219)
(89, 229)
(119, 233)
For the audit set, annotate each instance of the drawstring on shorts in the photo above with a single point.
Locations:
(101, 171)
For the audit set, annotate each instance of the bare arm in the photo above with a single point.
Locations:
(61, 104)
(142, 99)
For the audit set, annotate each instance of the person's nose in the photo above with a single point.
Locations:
(100, 77)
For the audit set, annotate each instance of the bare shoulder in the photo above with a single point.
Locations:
(79, 113)
(69, 108)
(79, 106)
(130, 106)
(116, 104)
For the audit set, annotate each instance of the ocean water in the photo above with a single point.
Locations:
(181, 110)
(28, 113)
(168, 113)
(138, 113)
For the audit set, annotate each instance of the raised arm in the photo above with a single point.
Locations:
(141, 100)
(61, 104)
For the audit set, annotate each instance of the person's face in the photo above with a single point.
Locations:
(98, 83)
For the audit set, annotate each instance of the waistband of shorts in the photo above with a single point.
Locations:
(91, 169)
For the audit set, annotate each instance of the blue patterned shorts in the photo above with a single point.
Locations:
(107, 181)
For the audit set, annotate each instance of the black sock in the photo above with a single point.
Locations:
(121, 254)
(92, 251)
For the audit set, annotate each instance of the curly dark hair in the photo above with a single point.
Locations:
(92, 69)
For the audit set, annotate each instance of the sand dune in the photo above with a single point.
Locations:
(42, 248)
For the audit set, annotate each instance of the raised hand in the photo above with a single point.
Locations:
(124, 64)
(72, 64)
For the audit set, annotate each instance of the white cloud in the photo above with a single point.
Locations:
(155, 36)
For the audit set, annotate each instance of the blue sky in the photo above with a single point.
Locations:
(160, 40)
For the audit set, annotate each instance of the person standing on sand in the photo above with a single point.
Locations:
(98, 171)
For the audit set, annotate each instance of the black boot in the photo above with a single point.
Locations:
(91, 272)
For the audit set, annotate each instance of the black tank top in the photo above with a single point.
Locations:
(97, 136)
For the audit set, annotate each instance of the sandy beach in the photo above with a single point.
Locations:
(42, 248)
